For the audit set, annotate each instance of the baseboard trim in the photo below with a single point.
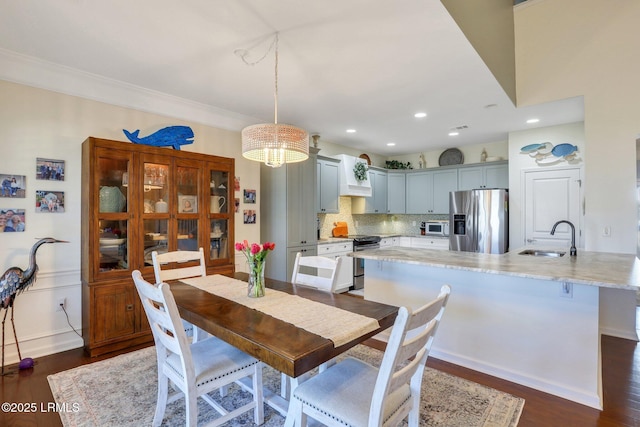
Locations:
(579, 396)
(42, 346)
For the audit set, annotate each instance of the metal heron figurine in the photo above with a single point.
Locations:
(14, 281)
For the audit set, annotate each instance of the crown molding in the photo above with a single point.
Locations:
(31, 71)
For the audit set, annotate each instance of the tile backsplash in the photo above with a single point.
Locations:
(373, 223)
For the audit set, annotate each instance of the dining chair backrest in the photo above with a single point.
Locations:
(178, 257)
(326, 278)
(385, 396)
(165, 322)
(406, 355)
(195, 369)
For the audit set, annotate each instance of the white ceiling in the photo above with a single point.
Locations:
(362, 64)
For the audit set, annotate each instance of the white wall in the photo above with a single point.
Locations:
(40, 123)
(567, 48)
(471, 154)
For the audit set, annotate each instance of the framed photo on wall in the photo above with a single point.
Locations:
(49, 201)
(12, 220)
(249, 216)
(13, 185)
(50, 169)
(249, 196)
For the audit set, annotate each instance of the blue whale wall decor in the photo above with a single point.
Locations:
(173, 136)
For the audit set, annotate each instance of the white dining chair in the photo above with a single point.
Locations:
(354, 393)
(325, 279)
(327, 270)
(161, 260)
(196, 369)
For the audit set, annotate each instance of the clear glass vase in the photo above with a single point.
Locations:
(255, 287)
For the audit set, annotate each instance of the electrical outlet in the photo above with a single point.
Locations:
(357, 223)
(606, 231)
(566, 290)
(414, 223)
(62, 303)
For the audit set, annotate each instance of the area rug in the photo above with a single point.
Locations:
(121, 391)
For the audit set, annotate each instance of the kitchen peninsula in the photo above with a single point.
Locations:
(531, 320)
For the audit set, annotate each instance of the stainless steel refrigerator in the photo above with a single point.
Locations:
(479, 221)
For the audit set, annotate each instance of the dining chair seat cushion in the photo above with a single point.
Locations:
(212, 356)
(344, 392)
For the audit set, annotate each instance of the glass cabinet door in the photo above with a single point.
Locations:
(112, 216)
(221, 206)
(154, 188)
(187, 202)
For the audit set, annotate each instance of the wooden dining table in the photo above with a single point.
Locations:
(281, 345)
(287, 348)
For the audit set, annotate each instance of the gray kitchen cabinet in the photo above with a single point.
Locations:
(396, 192)
(443, 183)
(416, 186)
(328, 185)
(493, 175)
(428, 192)
(377, 202)
(288, 212)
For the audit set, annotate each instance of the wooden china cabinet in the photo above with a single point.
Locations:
(137, 199)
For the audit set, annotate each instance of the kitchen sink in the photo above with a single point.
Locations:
(535, 252)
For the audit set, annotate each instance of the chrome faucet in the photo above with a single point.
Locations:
(572, 251)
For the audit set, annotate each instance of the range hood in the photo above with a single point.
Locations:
(349, 186)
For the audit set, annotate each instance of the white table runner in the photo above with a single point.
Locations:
(335, 324)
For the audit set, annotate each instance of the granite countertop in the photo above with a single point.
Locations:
(620, 271)
(334, 240)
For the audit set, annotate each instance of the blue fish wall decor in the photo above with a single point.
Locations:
(172, 136)
(546, 154)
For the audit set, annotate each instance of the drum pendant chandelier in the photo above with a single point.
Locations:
(275, 143)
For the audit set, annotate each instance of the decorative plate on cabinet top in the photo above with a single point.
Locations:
(365, 157)
(451, 156)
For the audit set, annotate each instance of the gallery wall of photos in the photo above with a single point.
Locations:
(249, 197)
(49, 194)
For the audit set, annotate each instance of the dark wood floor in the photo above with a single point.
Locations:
(621, 385)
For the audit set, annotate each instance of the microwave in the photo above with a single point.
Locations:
(435, 228)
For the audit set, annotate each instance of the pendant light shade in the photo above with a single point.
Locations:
(273, 143)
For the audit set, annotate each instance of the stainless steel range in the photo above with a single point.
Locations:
(361, 243)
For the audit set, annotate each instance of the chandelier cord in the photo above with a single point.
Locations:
(242, 53)
(275, 93)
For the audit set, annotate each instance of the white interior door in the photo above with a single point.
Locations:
(552, 195)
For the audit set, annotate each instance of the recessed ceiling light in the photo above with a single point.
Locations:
(454, 133)
(390, 144)
(530, 121)
(351, 131)
(420, 115)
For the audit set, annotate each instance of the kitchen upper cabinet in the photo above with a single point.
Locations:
(428, 192)
(396, 192)
(377, 203)
(328, 185)
(484, 176)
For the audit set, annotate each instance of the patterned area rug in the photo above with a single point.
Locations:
(121, 391)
